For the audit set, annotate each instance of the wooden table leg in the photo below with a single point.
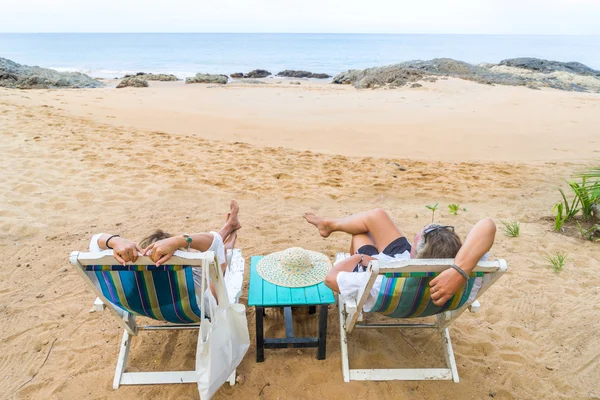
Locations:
(260, 338)
(322, 350)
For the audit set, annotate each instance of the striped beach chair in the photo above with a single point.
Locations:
(404, 294)
(165, 293)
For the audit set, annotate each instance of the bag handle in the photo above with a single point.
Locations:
(211, 272)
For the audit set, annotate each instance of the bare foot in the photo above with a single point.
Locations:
(321, 223)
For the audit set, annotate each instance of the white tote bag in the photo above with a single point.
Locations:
(223, 341)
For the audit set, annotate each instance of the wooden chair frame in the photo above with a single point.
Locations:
(350, 312)
(233, 281)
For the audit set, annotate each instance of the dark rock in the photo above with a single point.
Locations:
(257, 73)
(14, 75)
(416, 85)
(132, 82)
(153, 77)
(208, 78)
(237, 75)
(290, 73)
(547, 66)
(320, 76)
(295, 83)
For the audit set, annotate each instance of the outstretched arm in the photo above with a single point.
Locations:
(479, 241)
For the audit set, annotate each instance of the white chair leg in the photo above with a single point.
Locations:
(231, 378)
(343, 343)
(122, 361)
(449, 354)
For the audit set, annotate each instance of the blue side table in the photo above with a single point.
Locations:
(263, 294)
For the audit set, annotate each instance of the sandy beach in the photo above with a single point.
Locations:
(171, 156)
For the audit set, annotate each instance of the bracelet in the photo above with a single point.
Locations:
(188, 240)
(461, 271)
(107, 240)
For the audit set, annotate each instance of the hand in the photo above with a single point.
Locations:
(125, 250)
(445, 285)
(162, 250)
(366, 260)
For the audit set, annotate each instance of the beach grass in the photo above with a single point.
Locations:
(557, 261)
(511, 228)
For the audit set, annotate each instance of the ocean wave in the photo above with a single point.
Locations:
(119, 73)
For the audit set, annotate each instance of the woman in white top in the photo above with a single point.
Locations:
(160, 246)
(376, 236)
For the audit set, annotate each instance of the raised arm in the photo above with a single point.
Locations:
(478, 242)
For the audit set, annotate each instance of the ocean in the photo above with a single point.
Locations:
(185, 54)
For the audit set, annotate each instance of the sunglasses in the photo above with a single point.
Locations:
(435, 228)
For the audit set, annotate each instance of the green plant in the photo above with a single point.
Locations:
(586, 196)
(588, 234)
(512, 228)
(559, 221)
(570, 210)
(432, 208)
(557, 261)
(453, 208)
(593, 173)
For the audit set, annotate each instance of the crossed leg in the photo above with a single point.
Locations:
(374, 227)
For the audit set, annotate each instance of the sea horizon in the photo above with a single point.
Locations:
(112, 55)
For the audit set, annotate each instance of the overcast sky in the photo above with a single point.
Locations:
(314, 16)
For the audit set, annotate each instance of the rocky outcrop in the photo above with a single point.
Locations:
(208, 78)
(290, 73)
(14, 75)
(379, 77)
(153, 77)
(237, 75)
(515, 73)
(133, 81)
(257, 73)
(547, 66)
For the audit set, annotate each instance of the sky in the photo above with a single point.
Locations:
(559, 17)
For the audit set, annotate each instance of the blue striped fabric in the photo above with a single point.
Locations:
(163, 294)
(410, 298)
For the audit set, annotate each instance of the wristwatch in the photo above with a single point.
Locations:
(188, 239)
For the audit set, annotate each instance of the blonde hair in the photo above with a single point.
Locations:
(440, 243)
(154, 237)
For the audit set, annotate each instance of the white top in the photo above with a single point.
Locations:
(351, 282)
(216, 246)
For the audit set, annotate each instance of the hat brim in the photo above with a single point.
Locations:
(269, 269)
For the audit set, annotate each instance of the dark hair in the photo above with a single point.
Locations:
(154, 237)
(440, 243)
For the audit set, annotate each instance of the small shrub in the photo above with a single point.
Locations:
(586, 196)
(557, 261)
(432, 208)
(453, 208)
(588, 234)
(570, 210)
(512, 228)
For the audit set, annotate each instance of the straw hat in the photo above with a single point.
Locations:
(294, 267)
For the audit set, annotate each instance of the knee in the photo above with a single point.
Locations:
(378, 213)
(331, 281)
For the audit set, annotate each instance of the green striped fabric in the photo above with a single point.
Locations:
(410, 298)
(165, 294)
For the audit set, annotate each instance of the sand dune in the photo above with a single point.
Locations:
(174, 155)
